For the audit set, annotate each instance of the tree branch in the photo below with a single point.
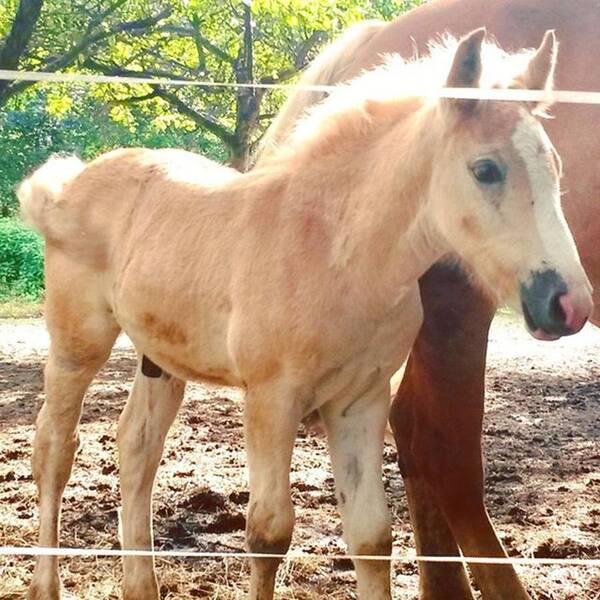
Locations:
(101, 16)
(17, 40)
(208, 45)
(248, 44)
(71, 55)
(116, 71)
(91, 37)
(305, 47)
(134, 99)
(20, 33)
(198, 42)
(201, 119)
(300, 59)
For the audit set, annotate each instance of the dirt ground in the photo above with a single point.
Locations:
(542, 447)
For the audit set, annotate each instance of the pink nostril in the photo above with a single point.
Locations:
(576, 314)
(567, 306)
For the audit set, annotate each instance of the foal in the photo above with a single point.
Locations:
(297, 282)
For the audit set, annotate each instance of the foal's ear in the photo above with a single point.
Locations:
(465, 71)
(540, 70)
(539, 74)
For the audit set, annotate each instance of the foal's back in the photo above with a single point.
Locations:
(123, 189)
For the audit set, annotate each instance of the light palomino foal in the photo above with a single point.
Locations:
(296, 281)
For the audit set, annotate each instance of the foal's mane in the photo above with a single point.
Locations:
(395, 81)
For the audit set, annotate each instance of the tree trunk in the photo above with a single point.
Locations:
(247, 99)
(17, 40)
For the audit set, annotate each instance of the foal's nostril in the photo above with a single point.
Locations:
(556, 312)
(528, 317)
(546, 304)
(550, 309)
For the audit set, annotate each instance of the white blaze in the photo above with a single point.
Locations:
(557, 246)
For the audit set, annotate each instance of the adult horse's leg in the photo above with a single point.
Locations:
(437, 418)
(82, 333)
(151, 408)
(271, 419)
(355, 432)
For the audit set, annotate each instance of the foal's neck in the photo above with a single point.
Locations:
(372, 175)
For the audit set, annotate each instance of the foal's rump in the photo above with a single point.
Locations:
(142, 235)
(41, 196)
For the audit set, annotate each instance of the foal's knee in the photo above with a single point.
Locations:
(372, 539)
(269, 526)
(379, 544)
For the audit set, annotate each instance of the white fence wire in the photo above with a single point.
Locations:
(518, 95)
(511, 95)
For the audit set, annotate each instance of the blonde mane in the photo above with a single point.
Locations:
(395, 81)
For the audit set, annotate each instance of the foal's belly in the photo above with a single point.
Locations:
(189, 344)
(197, 358)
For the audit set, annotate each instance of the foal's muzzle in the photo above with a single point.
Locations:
(550, 309)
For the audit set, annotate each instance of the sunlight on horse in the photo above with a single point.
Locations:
(297, 282)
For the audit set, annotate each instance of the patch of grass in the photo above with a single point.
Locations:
(21, 263)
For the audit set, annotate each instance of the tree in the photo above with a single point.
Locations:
(233, 41)
(243, 42)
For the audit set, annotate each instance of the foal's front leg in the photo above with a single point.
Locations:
(151, 408)
(271, 419)
(355, 432)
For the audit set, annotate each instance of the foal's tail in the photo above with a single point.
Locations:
(42, 200)
(327, 69)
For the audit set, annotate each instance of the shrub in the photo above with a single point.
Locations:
(21, 262)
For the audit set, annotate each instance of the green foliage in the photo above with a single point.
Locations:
(21, 262)
(31, 134)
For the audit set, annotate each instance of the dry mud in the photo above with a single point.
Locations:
(542, 448)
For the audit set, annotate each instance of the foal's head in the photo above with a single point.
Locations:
(495, 196)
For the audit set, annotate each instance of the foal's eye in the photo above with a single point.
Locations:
(487, 172)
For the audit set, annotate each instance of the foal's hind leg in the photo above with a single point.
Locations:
(82, 333)
(271, 419)
(436, 417)
(151, 408)
(355, 432)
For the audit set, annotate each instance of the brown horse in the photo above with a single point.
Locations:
(437, 413)
(296, 282)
